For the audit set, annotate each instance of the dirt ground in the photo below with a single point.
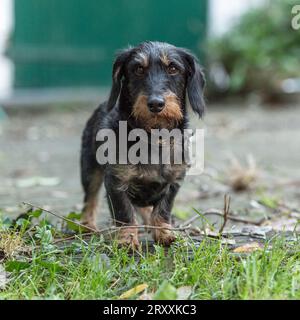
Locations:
(39, 162)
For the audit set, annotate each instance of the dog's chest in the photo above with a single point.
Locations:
(138, 177)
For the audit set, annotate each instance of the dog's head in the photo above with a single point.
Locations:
(153, 80)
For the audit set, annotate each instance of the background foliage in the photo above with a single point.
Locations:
(258, 52)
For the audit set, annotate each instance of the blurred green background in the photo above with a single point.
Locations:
(67, 44)
(260, 53)
(72, 43)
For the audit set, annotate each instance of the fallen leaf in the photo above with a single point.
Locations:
(131, 292)
(247, 248)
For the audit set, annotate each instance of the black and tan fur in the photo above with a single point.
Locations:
(150, 85)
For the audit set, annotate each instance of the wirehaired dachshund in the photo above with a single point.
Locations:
(151, 86)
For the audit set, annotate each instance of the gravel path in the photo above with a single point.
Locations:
(39, 159)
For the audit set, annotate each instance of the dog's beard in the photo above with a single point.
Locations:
(168, 118)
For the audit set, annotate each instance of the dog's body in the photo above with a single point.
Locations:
(149, 92)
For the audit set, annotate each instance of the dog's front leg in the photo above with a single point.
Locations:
(161, 217)
(123, 213)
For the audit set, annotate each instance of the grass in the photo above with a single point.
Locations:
(97, 270)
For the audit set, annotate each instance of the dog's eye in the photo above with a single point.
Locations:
(172, 69)
(139, 70)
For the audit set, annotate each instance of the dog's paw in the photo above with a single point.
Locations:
(164, 236)
(128, 237)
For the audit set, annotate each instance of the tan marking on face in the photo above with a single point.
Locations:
(168, 118)
(164, 59)
(163, 236)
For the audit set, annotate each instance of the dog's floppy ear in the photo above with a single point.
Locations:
(195, 82)
(117, 75)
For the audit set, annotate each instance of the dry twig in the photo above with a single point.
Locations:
(108, 229)
(226, 212)
(219, 213)
(61, 217)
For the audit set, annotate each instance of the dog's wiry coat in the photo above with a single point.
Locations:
(150, 84)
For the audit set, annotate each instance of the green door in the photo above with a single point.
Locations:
(72, 43)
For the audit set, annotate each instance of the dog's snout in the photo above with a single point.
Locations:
(156, 104)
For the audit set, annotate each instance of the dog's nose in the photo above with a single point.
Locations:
(156, 104)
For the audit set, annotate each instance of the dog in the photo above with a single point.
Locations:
(151, 85)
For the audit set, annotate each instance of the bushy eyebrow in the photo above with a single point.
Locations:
(171, 58)
(141, 58)
(177, 63)
(166, 58)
